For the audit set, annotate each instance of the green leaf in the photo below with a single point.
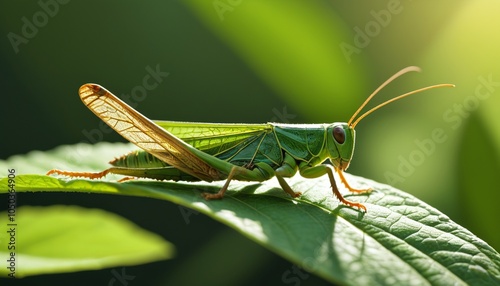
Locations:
(477, 171)
(400, 240)
(59, 239)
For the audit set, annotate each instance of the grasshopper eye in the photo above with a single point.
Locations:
(339, 134)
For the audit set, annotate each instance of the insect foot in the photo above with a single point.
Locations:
(348, 203)
(220, 194)
(211, 196)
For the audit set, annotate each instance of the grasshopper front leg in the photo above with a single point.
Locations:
(320, 170)
(346, 184)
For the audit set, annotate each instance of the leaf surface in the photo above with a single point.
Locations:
(400, 240)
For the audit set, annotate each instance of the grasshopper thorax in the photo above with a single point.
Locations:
(340, 144)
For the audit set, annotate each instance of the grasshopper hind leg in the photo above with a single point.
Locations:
(88, 175)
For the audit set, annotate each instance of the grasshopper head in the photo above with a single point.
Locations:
(340, 144)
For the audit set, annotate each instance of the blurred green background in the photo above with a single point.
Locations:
(260, 61)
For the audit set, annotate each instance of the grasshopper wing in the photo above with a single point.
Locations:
(214, 138)
(144, 133)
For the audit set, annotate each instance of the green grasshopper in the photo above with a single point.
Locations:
(212, 151)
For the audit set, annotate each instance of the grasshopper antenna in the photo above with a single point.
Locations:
(392, 78)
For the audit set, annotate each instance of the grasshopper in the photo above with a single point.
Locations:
(192, 151)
